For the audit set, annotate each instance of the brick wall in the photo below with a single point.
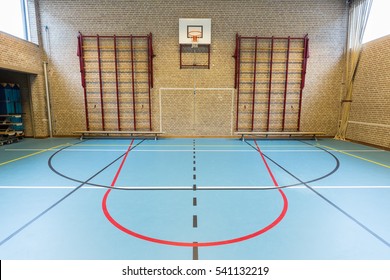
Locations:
(370, 111)
(324, 21)
(19, 55)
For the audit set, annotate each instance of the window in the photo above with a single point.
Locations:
(14, 18)
(378, 24)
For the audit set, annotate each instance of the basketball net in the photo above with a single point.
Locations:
(195, 35)
(194, 41)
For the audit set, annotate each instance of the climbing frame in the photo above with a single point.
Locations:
(269, 79)
(117, 77)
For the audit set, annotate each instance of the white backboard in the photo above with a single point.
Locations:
(187, 25)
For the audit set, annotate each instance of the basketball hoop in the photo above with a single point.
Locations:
(195, 35)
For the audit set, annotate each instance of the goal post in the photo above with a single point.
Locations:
(197, 111)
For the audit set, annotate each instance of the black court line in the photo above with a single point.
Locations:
(64, 197)
(336, 167)
(50, 163)
(195, 249)
(194, 221)
(195, 252)
(326, 199)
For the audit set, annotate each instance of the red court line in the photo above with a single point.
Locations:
(191, 244)
(122, 163)
(266, 165)
(285, 200)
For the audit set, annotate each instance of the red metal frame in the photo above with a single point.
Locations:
(80, 53)
(254, 85)
(181, 51)
(100, 82)
(182, 66)
(150, 66)
(305, 55)
(115, 38)
(303, 76)
(235, 64)
(132, 81)
(270, 81)
(117, 84)
(238, 44)
(273, 37)
(209, 54)
(151, 56)
(286, 84)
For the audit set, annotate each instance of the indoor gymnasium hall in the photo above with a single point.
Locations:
(195, 130)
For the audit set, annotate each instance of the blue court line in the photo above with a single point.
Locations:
(64, 197)
(326, 199)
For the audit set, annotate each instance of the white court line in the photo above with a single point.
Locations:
(318, 150)
(187, 145)
(190, 150)
(138, 151)
(198, 188)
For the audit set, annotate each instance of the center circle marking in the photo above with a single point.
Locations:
(192, 244)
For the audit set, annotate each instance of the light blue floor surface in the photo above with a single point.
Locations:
(194, 191)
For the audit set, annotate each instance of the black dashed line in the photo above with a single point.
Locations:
(195, 252)
(194, 221)
(195, 249)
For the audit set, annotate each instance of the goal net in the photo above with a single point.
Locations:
(196, 112)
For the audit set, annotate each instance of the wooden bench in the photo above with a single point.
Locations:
(278, 133)
(108, 133)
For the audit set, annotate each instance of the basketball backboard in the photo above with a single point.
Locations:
(199, 27)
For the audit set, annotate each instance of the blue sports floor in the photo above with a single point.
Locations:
(186, 199)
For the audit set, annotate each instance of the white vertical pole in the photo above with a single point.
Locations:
(47, 99)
